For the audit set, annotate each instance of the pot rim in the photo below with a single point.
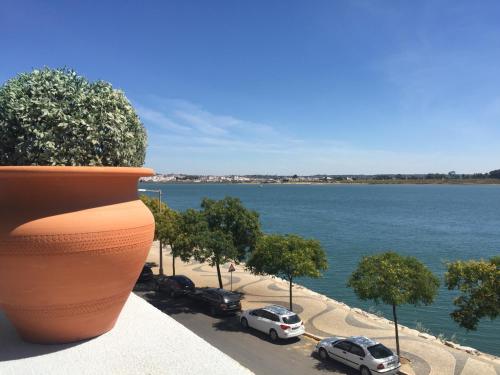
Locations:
(39, 170)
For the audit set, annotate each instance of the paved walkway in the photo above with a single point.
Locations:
(326, 317)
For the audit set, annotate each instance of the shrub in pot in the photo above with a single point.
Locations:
(73, 233)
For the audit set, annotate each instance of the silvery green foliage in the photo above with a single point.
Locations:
(55, 117)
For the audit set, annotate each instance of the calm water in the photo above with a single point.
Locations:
(435, 223)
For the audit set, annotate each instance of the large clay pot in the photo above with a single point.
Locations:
(73, 241)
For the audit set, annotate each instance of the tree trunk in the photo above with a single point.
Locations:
(291, 285)
(396, 327)
(161, 258)
(173, 265)
(218, 274)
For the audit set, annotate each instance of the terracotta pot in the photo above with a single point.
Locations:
(73, 241)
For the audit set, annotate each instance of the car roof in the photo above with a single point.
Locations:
(180, 277)
(278, 310)
(362, 341)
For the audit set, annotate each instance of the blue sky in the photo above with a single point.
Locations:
(284, 87)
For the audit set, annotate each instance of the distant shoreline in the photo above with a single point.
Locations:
(363, 182)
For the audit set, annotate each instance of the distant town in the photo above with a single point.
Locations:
(492, 177)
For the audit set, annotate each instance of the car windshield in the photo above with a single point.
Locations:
(291, 319)
(379, 351)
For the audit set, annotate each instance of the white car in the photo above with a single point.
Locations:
(366, 355)
(277, 321)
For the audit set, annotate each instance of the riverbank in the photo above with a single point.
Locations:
(324, 316)
(489, 181)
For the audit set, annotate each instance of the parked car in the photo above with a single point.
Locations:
(276, 321)
(175, 286)
(366, 355)
(146, 274)
(219, 301)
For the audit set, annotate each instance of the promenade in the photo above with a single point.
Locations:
(326, 317)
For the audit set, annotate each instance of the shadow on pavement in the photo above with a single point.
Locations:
(149, 286)
(169, 305)
(232, 324)
(331, 365)
(228, 324)
(265, 337)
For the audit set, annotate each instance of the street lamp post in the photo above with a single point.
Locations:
(159, 210)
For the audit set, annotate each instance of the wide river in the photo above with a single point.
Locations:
(435, 223)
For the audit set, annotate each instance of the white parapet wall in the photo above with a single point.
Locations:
(144, 341)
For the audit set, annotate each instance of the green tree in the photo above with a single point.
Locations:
(178, 230)
(394, 280)
(495, 173)
(171, 229)
(171, 232)
(225, 231)
(287, 256)
(188, 225)
(159, 212)
(479, 284)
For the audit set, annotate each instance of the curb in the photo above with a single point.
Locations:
(312, 336)
(319, 338)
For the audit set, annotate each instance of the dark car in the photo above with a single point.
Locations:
(146, 274)
(219, 301)
(175, 286)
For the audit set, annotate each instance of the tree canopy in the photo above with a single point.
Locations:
(495, 173)
(225, 231)
(232, 218)
(394, 280)
(287, 256)
(170, 229)
(479, 284)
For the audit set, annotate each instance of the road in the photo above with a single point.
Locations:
(250, 348)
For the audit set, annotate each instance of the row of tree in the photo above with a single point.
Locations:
(395, 280)
(225, 231)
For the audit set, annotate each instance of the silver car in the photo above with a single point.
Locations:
(359, 352)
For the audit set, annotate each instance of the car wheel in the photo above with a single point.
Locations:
(323, 354)
(273, 335)
(365, 371)
(244, 323)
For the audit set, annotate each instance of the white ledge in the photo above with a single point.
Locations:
(144, 341)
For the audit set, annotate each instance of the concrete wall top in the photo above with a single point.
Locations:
(144, 341)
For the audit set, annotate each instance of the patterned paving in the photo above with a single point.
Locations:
(355, 322)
